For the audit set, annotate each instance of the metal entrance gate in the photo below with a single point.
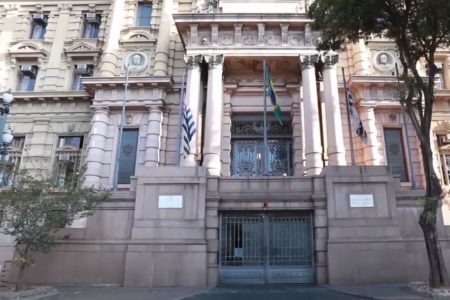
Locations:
(266, 248)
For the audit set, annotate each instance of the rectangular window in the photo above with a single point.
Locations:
(27, 78)
(395, 152)
(68, 159)
(12, 166)
(81, 70)
(91, 25)
(144, 14)
(127, 156)
(247, 147)
(38, 26)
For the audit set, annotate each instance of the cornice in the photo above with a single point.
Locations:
(94, 83)
(242, 18)
(52, 96)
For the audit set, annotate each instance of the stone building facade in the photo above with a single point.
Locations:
(329, 208)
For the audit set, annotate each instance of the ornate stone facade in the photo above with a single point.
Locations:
(205, 66)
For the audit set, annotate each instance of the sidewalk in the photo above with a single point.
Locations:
(397, 291)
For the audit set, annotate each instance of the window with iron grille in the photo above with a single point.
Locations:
(81, 71)
(395, 151)
(38, 26)
(91, 25)
(27, 78)
(248, 150)
(144, 14)
(11, 166)
(68, 160)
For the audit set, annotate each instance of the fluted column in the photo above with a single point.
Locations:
(192, 99)
(154, 130)
(335, 137)
(96, 147)
(313, 144)
(371, 154)
(162, 46)
(213, 118)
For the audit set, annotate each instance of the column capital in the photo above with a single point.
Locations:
(330, 60)
(156, 105)
(100, 109)
(193, 61)
(214, 61)
(308, 61)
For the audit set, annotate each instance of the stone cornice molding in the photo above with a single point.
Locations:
(193, 61)
(308, 61)
(93, 83)
(52, 96)
(214, 61)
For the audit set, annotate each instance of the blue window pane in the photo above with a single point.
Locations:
(127, 157)
(144, 14)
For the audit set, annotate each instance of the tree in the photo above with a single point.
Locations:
(35, 208)
(418, 28)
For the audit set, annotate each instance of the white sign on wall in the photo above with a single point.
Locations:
(361, 200)
(170, 201)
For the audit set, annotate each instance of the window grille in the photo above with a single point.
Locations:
(68, 160)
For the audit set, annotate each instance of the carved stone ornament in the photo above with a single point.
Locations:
(193, 61)
(214, 60)
(330, 59)
(207, 6)
(136, 61)
(383, 61)
(308, 61)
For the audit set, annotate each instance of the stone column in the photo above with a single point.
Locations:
(213, 117)
(371, 154)
(335, 137)
(154, 130)
(193, 101)
(96, 147)
(313, 144)
(162, 46)
(6, 37)
(447, 73)
(55, 70)
(109, 61)
(361, 62)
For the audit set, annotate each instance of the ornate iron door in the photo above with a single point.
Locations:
(266, 248)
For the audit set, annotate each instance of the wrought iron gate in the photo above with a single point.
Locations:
(266, 248)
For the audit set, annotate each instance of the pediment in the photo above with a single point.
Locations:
(28, 49)
(82, 49)
(137, 35)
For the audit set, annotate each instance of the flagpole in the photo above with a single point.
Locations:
(349, 125)
(180, 117)
(266, 149)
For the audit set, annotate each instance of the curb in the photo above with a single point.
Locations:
(349, 293)
(31, 294)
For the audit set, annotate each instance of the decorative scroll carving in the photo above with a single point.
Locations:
(207, 6)
(214, 60)
(330, 59)
(193, 61)
(296, 39)
(238, 34)
(308, 61)
(226, 40)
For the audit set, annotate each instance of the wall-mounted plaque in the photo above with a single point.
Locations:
(361, 200)
(170, 201)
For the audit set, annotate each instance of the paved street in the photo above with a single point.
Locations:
(219, 293)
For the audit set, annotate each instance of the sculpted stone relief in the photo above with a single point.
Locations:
(383, 61)
(206, 6)
(251, 37)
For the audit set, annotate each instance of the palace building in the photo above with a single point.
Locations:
(232, 197)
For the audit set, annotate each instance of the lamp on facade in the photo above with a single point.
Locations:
(7, 136)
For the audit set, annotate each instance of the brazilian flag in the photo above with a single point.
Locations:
(271, 93)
